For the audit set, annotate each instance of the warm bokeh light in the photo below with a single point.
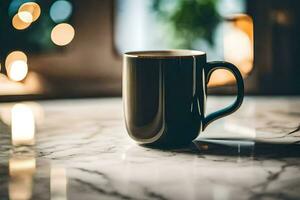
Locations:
(16, 65)
(17, 70)
(22, 125)
(238, 43)
(220, 77)
(58, 183)
(244, 23)
(32, 8)
(25, 16)
(60, 11)
(13, 56)
(19, 24)
(62, 34)
(238, 49)
(21, 170)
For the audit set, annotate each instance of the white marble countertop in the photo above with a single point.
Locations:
(79, 149)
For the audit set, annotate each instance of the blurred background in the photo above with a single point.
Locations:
(68, 49)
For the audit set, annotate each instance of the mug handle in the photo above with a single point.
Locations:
(210, 68)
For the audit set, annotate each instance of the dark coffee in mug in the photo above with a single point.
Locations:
(164, 95)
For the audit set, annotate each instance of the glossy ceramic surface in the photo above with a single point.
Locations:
(164, 94)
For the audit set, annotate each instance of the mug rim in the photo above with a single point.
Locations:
(169, 53)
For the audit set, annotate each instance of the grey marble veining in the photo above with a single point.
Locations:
(81, 151)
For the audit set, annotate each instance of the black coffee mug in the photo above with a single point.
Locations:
(164, 95)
